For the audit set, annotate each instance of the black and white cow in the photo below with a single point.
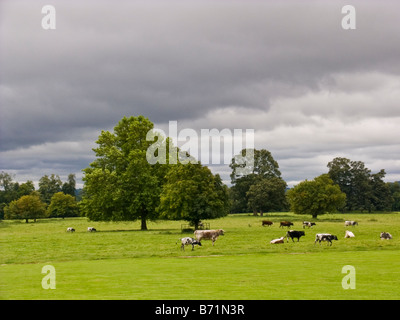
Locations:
(91, 229)
(325, 237)
(350, 223)
(188, 241)
(386, 236)
(308, 224)
(294, 234)
(70, 229)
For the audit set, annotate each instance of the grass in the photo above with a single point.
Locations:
(122, 262)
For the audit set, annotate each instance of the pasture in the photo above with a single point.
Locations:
(121, 262)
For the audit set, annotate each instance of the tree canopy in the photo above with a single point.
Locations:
(264, 175)
(267, 195)
(26, 207)
(120, 185)
(364, 191)
(316, 197)
(193, 193)
(63, 205)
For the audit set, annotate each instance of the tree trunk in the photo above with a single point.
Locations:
(144, 224)
(26, 220)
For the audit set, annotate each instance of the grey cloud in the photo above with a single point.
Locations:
(256, 65)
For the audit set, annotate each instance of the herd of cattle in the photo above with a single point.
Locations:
(319, 237)
(292, 234)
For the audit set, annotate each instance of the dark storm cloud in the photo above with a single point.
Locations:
(277, 68)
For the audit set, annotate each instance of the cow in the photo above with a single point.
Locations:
(70, 229)
(188, 241)
(325, 237)
(294, 234)
(280, 240)
(350, 223)
(349, 234)
(285, 224)
(308, 224)
(208, 234)
(91, 229)
(266, 222)
(385, 236)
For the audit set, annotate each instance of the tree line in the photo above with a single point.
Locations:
(52, 199)
(122, 185)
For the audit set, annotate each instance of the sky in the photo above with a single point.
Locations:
(310, 89)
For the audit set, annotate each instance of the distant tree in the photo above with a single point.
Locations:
(193, 193)
(316, 197)
(26, 207)
(26, 189)
(265, 167)
(48, 186)
(63, 205)
(267, 195)
(364, 191)
(10, 190)
(394, 188)
(381, 197)
(69, 186)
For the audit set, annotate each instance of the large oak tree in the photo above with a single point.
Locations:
(121, 185)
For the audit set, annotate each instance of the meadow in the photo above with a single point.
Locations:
(121, 262)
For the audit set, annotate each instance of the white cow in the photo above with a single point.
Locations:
(279, 240)
(208, 234)
(349, 234)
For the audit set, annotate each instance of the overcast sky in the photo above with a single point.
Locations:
(311, 90)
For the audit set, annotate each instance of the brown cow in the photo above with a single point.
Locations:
(266, 222)
(285, 224)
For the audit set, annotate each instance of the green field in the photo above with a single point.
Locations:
(122, 262)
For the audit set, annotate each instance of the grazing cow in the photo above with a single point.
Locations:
(349, 234)
(91, 229)
(285, 224)
(386, 236)
(266, 222)
(294, 234)
(325, 237)
(308, 224)
(280, 240)
(350, 223)
(208, 234)
(70, 229)
(187, 241)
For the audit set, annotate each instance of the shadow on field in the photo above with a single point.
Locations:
(158, 231)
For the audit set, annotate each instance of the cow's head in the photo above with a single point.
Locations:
(221, 232)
